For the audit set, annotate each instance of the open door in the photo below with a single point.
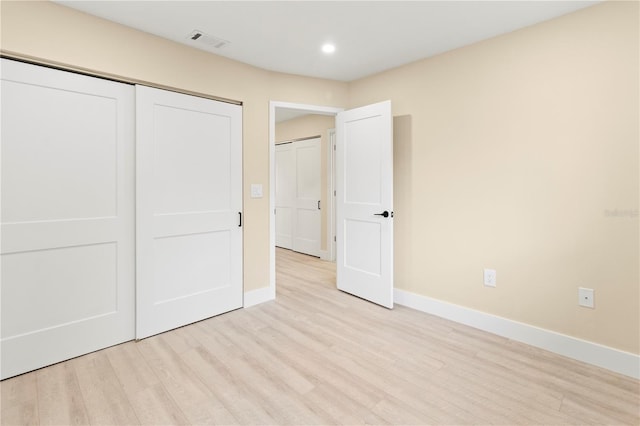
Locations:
(364, 186)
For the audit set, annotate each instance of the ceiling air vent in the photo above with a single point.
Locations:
(200, 37)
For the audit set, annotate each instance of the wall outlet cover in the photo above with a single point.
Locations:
(490, 277)
(256, 190)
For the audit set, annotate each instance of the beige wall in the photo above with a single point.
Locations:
(302, 127)
(519, 153)
(53, 33)
(523, 147)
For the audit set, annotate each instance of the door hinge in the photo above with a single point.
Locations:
(334, 238)
(334, 193)
(240, 216)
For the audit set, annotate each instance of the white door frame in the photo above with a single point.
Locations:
(331, 195)
(312, 109)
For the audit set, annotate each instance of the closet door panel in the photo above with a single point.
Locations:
(285, 194)
(189, 199)
(67, 215)
(307, 196)
(298, 195)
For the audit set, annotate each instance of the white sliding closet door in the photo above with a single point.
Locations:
(67, 215)
(285, 194)
(189, 199)
(298, 190)
(306, 238)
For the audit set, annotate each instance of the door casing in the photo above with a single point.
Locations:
(273, 105)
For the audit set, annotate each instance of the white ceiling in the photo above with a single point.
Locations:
(370, 37)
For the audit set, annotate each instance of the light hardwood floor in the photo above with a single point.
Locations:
(319, 356)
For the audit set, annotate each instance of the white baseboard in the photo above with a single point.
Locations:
(324, 255)
(261, 295)
(592, 353)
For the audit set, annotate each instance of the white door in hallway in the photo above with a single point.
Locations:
(285, 194)
(67, 215)
(306, 237)
(298, 190)
(364, 185)
(189, 203)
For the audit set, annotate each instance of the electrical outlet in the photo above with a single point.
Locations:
(585, 297)
(256, 190)
(490, 277)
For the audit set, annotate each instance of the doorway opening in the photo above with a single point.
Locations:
(284, 111)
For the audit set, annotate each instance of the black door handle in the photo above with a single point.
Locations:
(383, 214)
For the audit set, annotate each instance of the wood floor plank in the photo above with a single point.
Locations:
(199, 405)
(273, 394)
(150, 401)
(20, 414)
(60, 400)
(104, 398)
(19, 400)
(130, 367)
(262, 359)
(317, 363)
(236, 397)
(318, 356)
(154, 406)
(593, 396)
(19, 390)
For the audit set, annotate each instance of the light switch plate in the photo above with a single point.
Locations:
(256, 190)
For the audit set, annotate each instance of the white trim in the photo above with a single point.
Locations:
(331, 199)
(272, 196)
(255, 297)
(324, 255)
(592, 353)
(313, 109)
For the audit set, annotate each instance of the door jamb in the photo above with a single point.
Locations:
(312, 109)
(331, 195)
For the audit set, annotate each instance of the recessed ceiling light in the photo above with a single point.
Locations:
(328, 48)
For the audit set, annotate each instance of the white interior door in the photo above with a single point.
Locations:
(67, 215)
(298, 189)
(189, 203)
(285, 194)
(307, 217)
(364, 185)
